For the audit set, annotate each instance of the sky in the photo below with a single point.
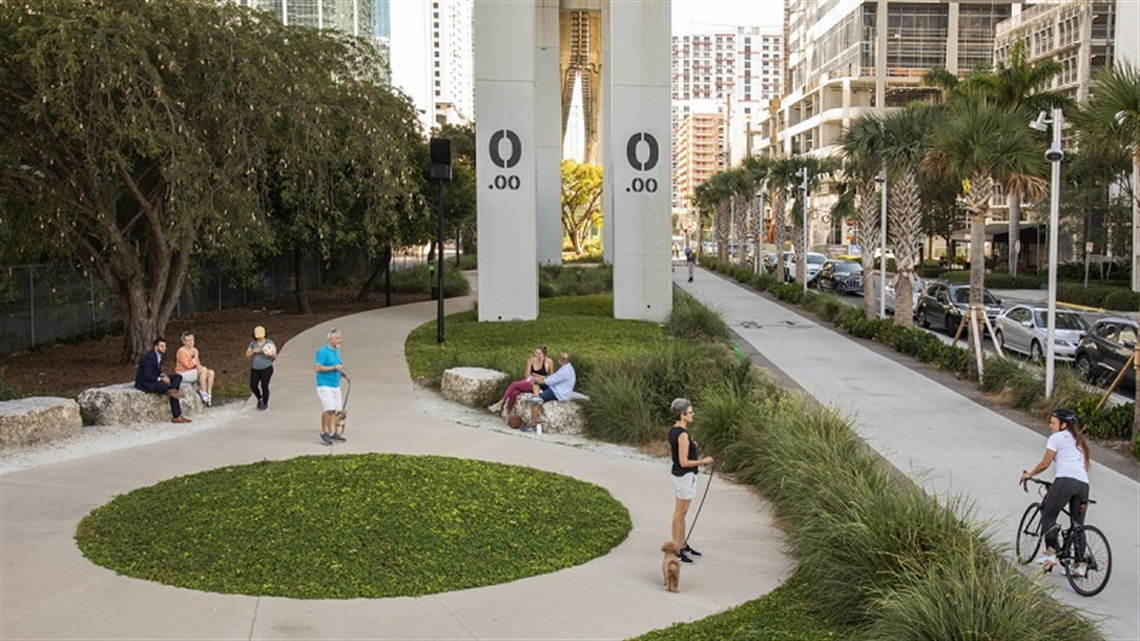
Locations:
(696, 15)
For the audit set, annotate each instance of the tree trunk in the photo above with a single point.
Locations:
(780, 234)
(722, 232)
(1014, 230)
(742, 216)
(906, 233)
(867, 235)
(381, 267)
(302, 287)
(977, 283)
(140, 327)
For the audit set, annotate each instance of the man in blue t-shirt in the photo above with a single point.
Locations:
(330, 369)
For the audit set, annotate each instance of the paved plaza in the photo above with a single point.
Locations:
(940, 436)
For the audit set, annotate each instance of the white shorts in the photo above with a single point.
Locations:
(330, 398)
(190, 376)
(686, 486)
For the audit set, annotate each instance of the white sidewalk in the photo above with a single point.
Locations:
(943, 440)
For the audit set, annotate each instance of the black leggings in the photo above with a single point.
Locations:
(259, 383)
(1064, 490)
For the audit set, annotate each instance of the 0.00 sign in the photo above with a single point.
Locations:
(506, 182)
(647, 185)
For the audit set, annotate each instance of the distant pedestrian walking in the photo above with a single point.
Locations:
(262, 351)
(691, 259)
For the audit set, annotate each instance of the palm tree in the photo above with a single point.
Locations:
(781, 178)
(756, 170)
(1111, 119)
(906, 141)
(980, 143)
(1018, 85)
(818, 169)
(862, 144)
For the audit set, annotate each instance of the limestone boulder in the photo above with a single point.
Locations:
(38, 420)
(557, 417)
(125, 405)
(471, 386)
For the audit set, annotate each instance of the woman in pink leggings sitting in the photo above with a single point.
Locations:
(537, 365)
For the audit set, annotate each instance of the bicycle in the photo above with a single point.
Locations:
(1087, 571)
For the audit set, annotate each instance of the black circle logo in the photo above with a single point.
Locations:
(631, 149)
(516, 148)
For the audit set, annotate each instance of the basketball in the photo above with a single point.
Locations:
(269, 350)
(514, 422)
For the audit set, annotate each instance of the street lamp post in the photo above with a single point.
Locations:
(882, 179)
(1054, 155)
(802, 172)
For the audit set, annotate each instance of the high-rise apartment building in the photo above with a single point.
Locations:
(354, 17)
(433, 58)
(348, 16)
(847, 56)
(726, 76)
(1080, 34)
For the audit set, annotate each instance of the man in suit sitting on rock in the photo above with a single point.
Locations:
(149, 378)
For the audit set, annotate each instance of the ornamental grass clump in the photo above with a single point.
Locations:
(692, 319)
(353, 526)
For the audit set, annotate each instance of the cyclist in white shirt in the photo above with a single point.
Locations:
(1069, 449)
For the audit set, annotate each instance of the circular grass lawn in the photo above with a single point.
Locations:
(343, 527)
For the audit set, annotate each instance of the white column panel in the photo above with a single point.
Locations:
(640, 159)
(606, 125)
(548, 122)
(506, 169)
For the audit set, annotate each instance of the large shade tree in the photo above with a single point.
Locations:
(581, 201)
(140, 134)
(978, 144)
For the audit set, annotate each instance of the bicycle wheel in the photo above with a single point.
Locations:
(1096, 562)
(1029, 534)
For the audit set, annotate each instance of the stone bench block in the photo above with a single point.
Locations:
(124, 405)
(558, 417)
(38, 420)
(471, 386)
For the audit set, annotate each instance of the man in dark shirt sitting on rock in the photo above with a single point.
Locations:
(149, 378)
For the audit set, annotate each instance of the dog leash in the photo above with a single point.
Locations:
(692, 525)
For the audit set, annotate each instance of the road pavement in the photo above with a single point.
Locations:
(942, 439)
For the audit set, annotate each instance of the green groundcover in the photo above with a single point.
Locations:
(351, 526)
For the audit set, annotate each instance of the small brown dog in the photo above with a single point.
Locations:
(671, 567)
(341, 417)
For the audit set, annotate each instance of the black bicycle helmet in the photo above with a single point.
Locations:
(1066, 416)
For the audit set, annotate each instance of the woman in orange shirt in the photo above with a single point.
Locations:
(187, 364)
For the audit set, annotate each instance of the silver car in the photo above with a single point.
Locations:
(1023, 329)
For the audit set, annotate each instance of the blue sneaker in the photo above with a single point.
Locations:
(684, 558)
(691, 552)
(326, 439)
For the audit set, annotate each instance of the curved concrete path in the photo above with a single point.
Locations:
(48, 590)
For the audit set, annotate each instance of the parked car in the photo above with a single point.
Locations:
(840, 276)
(1105, 349)
(944, 305)
(1024, 329)
(917, 287)
(813, 262)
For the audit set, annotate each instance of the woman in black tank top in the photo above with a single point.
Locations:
(684, 472)
(539, 364)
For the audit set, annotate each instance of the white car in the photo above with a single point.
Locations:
(813, 262)
(1023, 329)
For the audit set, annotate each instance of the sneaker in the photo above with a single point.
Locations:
(326, 439)
(684, 558)
(538, 428)
(204, 396)
(1047, 560)
(209, 400)
(527, 428)
(337, 437)
(496, 407)
(262, 406)
(691, 552)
